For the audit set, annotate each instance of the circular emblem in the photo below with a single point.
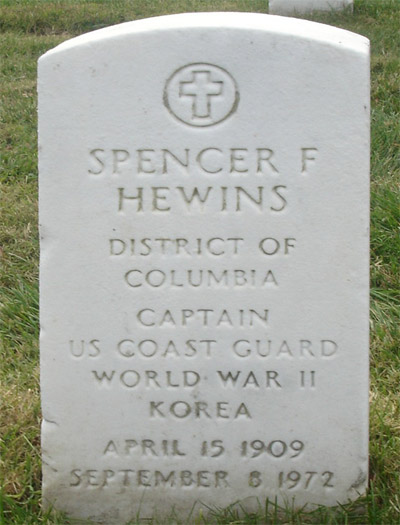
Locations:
(201, 94)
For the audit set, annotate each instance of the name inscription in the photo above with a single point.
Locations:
(207, 160)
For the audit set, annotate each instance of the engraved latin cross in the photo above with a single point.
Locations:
(201, 88)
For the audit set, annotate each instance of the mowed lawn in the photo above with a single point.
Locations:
(28, 28)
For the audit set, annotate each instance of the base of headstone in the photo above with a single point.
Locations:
(292, 7)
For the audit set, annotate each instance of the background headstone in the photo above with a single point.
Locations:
(287, 7)
(204, 265)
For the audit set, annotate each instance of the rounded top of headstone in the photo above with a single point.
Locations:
(272, 24)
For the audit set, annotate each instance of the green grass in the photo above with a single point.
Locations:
(81, 16)
(27, 29)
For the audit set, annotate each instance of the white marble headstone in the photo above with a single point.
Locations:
(287, 7)
(204, 266)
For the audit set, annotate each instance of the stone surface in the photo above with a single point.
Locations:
(204, 265)
(287, 7)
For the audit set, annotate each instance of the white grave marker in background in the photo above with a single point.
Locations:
(288, 7)
(204, 265)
